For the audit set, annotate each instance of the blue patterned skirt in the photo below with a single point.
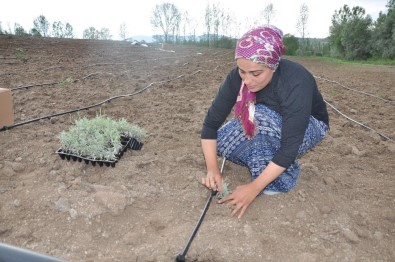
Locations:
(256, 153)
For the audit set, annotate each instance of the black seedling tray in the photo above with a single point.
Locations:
(135, 145)
(65, 154)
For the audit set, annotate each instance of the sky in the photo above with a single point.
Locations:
(136, 14)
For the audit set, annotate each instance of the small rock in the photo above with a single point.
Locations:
(7, 171)
(73, 213)
(391, 147)
(357, 152)
(18, 159)
(363, 233)
(62, 205)
(350, 236)
(115, 202)
(53, 173)
(15, 166)
(329, 181)
(17, 203)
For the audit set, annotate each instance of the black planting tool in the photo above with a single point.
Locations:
(181, 256)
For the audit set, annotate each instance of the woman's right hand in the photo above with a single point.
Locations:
(213, 180)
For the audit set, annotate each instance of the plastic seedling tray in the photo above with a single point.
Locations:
(67, 155)
(135, 145)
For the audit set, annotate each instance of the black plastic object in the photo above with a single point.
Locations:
(181, 256)
(135, 145)
(15, 254)
(64, 154)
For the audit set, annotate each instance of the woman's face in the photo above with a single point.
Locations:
(255, 76)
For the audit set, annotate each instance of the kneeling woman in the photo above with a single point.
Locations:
(279, 115)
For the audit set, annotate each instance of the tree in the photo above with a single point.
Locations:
(104, 34)
(383, 39)
(90, 33)
(166, 17)
(41, 25)
(34, 32)
(68, 31)
(19, 30)
(301, 24)
(123, 31)
(268, 13)
(350, 33)
(291, 44)
(57, 29)
(214, 18)
(208, 18)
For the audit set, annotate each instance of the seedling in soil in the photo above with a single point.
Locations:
(225, 190)
(20, 54)
(66, 81)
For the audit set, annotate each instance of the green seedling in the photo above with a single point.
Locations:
(98, 138)
(225, 190)
(66, 81)
(20, 54)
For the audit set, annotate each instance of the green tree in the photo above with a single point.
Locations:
(166, 17)
(34, 32)
(350, 33)
(383, 40)
(91, 33)
(68, 31)
(19, 30)
(291, 44)
(41, 25)
(104, 34)
(58, 29)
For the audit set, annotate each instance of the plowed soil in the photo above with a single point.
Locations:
(144, 208)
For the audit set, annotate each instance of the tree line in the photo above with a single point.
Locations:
(353, 34)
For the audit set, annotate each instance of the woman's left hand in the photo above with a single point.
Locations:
(241, 198)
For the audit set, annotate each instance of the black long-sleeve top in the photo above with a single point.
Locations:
(293, 93)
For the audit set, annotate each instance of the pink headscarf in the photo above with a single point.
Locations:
(262, 45)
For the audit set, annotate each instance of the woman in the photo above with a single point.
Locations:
(279, 114)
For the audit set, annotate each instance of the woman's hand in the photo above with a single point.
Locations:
(213, 181)
(241, 198)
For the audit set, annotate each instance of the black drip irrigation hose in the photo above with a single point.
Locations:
(181, 256)
(4, 128)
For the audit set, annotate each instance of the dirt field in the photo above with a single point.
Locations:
(144, 209)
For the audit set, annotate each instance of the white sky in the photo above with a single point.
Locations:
(82, 14)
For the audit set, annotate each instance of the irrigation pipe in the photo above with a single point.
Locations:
(87, 107)
(355, 90)
(53, 83)
(196, 72)
(359, 123)
(181, 256)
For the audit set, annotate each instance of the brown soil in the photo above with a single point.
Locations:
(144, 208)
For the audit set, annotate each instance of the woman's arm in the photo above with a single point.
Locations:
(213, 179)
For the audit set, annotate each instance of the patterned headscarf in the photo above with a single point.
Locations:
(262, 45)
